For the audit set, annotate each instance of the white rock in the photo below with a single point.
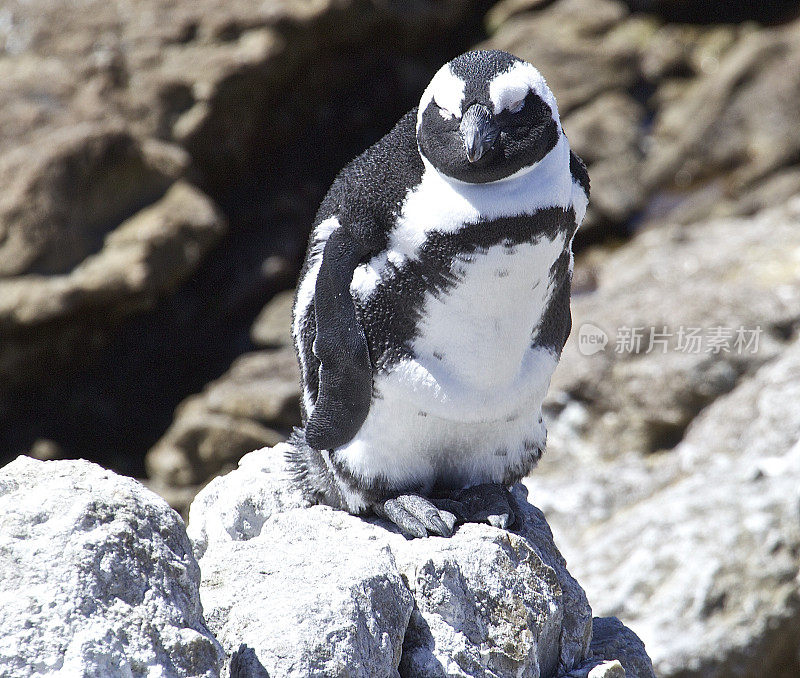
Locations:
(707, 569)
(292, 590)
(234, 507)
(97, 578)
(309, 596)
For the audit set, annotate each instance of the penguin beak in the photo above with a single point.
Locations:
(479, 131)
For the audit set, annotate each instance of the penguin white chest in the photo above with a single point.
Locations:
(477, 332)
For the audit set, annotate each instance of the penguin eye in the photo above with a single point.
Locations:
(517, 106)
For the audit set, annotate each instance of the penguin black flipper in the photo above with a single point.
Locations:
(345, 372)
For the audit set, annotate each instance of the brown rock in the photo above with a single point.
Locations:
(571, 42)
(729, 273)
(273, 326)
(62, 195)
(253, 405)
(733, 118)
(47, 320)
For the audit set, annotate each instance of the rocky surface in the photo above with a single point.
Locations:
(650, 297)
(485, 603)
(254, 404)
(49, 319)
(160, 166)
(677, 121)
(658, 455)
(97, 578)
(699, 549)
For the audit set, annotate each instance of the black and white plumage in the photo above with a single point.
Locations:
(434, 302)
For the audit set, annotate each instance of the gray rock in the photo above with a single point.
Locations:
(234, 507)
(308, 600)
(703, 561)
(291, 590)
(692, 546)
(613, 642)
(97, 578)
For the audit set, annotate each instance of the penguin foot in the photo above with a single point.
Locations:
(417, 516)
(490, 503)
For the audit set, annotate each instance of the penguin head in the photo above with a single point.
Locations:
(485, 116)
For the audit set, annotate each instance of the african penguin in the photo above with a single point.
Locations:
(433, 304)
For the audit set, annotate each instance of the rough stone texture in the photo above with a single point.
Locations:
(613, 642)
(698, 549)
(255, 403)
(61, 197)
(484, 603)
(671, 277)
(97, 578)
(273, 326)
(235, 507)
(700, 117)
(720, 123)
(48, 319)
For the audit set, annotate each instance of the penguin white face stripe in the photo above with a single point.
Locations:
(509, 87)
(447, 90)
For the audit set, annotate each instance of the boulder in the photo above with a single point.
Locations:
(697, 549)
(649, 297)
(49, 320)
(663, 111)
(273, 326)
(714, 129)
(97, 578)
(291, 589)
(255, 403)
(63, 196)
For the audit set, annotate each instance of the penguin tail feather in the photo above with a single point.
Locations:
(310, 471)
